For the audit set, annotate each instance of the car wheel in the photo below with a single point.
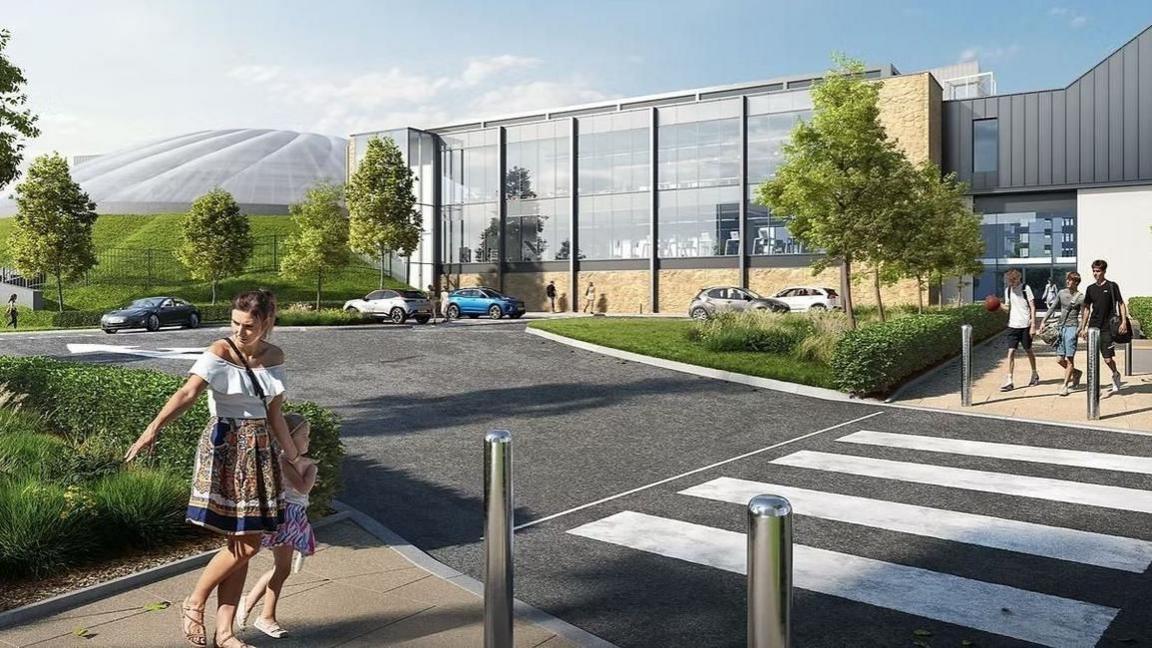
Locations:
(495, 312)
(351, 309)
(423, 319)
(818, 307)
(397, 315)
(453, 311)
(153, 323)
(699, 313)
(110, 331)
(193, 321)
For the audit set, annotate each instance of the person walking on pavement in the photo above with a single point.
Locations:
(1021, 325)
(434, 298)
(589, 298)
(550, 291)
(1071, 301)
(1103, 303)
(445, 303)
(1050, 292)
(236, 483)
(11, 311)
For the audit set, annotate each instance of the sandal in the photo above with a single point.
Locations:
(270, 628)
(192, 620)
(233, 642)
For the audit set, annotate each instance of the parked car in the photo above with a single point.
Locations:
(151, 313)
(474, 302)
(719, 299)
(806, 298)
(394, 305)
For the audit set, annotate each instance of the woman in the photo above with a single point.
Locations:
(1070, 302)
(236, 488)
(11, 311)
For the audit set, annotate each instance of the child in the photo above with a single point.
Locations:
(294, 534)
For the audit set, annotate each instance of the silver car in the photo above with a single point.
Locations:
(719, 299)
(394, 305)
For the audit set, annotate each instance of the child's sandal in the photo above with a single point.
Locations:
(270, 628)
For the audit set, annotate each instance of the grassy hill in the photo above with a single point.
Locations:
(122, 242)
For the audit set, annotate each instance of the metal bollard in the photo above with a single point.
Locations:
(966, 365)
(769, 572)
(1128, 358)
(1093, 374)
(498, 539)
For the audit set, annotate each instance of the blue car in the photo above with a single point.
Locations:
(475, 302)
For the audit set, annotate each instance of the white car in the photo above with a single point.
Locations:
(395, 305)
(806, 298)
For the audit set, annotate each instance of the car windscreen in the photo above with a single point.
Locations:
(492, 294)
(412, 294)
(145, 303)
(831, 293)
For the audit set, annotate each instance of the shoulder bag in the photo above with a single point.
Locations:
(1116, 321)
(251, 375)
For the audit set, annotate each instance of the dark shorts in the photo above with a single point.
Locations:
(1107, 346)
(1021, 337)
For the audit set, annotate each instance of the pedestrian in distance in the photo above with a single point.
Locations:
(1070, 302)
(589, 298)
(294, 537)
(11, 311)
(1103, 303)
(236, 483)
(445, 303)
(434, 298)
(550, 291)
(1050, 292)
(1021, 325)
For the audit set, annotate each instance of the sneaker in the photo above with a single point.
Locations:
(1035, 380)
(1115, 383)
(1007, 386)
(1076, 376)
(1065, 389)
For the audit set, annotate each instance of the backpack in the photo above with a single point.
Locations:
(1028, 294)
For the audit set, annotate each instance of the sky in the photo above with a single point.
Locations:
(108, 74)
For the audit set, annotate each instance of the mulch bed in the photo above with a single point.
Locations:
(23, 592)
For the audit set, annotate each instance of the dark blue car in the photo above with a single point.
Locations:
(474, 302)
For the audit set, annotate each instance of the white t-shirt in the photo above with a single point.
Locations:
(230, 391)
(1018, 300)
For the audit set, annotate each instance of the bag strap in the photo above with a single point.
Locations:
(251, 374)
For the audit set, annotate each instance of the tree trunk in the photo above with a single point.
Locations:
(920, 294)
(876, 287)
(59, 294)
(319, 283)
(940, 292)
(846, 288)
(214, 291)
(381, 267)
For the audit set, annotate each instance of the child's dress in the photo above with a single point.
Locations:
(296, 531)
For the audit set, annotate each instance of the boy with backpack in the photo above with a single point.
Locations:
(1021, 303)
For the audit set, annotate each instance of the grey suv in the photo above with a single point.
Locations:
(719, 299)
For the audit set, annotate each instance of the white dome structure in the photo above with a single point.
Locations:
(264, 170)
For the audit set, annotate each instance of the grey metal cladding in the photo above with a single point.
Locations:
(1097, 130)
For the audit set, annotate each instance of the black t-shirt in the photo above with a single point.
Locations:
(551, 291)
(1103, 300)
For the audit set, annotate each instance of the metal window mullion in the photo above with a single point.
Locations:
(502, 205)
(743, 247)
(653, 229)
(574, 213)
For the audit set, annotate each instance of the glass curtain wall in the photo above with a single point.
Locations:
(771, 119)
(615, 171)
(698, 157)
(537, 185)
(1041, 244)
(469, 194)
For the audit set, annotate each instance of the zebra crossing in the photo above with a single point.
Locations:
(1039, 617)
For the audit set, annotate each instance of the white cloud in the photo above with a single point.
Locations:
(533, 96)
(1075, 19)
(255, 73)
(1078, 22)
(989, 53)
(1059, 11)
(479, 70)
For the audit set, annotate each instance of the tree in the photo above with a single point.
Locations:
(216, 241)
(518, 184)
(838, 172)
(53, 233)
(320, 244)
(381, 204)
(14, 122)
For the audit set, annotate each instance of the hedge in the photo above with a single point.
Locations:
(1140, 309)
(876, 358)
(103, 409)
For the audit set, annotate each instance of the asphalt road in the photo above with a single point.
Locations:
(417, 401)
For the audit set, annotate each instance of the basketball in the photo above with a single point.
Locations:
(992, 303)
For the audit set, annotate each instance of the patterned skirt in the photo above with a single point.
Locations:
(236, 483)
(296, 532)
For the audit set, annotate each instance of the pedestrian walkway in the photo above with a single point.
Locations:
(1002, 506)
(356, 591)
(1131, 409)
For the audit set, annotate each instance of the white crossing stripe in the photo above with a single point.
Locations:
(1057, 490)
(1058, 456)
(1085, 547)
(1031, 616)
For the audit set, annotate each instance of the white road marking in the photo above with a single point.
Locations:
(1012, 612)
(691, 472)
(175, 353)
(1057, 490)
(1114, 552)
(1034, 454)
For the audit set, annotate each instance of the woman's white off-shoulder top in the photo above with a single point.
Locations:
(230, 393)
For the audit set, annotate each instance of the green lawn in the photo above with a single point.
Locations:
(668, 339)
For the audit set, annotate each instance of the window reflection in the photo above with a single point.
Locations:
(469, 190)
(614, 180)
(1041, 244)
(539, 168)
(767, 135)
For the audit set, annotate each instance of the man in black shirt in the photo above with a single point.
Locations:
(1102, 301)
(550, 291)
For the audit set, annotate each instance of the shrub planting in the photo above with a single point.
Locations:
(43, 528)
(140, 508)
(1140, 309)
(752, 331)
